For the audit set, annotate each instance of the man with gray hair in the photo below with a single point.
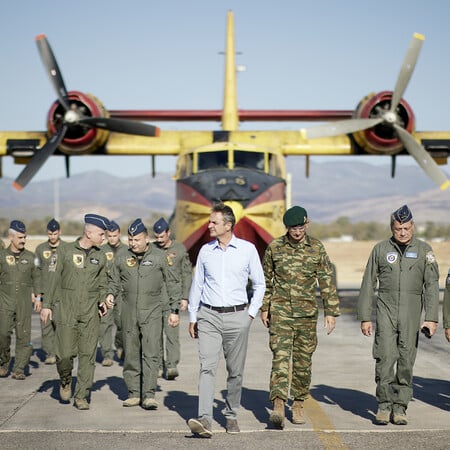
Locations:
(19, 281)
(407, 275)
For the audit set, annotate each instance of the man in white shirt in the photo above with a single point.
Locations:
(220, 314)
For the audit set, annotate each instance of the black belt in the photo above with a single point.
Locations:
(226, 309)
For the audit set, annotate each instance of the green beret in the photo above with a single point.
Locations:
(295, 216)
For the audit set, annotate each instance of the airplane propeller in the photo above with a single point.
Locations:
(73, 115)
(391, 118)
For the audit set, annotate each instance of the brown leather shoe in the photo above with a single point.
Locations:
(232, 426)
(297, 412)
(200, 427)
(277, 415)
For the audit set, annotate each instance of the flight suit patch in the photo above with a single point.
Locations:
(131, 262)
(391, 257)
(94, 261)
(46, 254)
(10, 260)
(411, 255)
(78, 259)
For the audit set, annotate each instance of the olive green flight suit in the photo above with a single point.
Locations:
(407, 282)
(106, 334)
(446, 303)
(180, 269)
(77, 287)
(46, 257)
(142, 281)
(19, 278)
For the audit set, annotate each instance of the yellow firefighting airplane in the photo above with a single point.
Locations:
(245, 169)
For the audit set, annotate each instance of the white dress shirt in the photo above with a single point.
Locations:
(221, 277)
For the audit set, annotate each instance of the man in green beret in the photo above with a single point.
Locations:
(293, 266)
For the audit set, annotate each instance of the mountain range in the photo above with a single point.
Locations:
(359, 190)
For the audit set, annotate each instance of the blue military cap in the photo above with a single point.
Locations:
(113, 226)
(98, 221)
(137, 227)
(18, 226)
(160, 225)
(53, 225)
(402, 214)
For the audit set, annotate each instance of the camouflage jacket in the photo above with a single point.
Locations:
(292, 272)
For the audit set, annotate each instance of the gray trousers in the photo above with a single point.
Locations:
(227, 332)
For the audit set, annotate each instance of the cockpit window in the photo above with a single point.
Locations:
(209, 160)
(249, 160)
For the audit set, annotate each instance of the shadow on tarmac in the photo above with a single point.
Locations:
(432, 391)
(357, 402)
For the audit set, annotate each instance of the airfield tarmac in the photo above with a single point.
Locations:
(339, 413)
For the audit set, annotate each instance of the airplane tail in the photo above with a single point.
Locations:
(230, 116)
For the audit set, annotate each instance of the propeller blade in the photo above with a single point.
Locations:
(52, 69)
(407, 69)
(38, 160)
(121, 126)
(342, 127)
(423, 158)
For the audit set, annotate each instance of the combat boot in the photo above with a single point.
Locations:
(399, 415)
(277, 415)
(297, 412)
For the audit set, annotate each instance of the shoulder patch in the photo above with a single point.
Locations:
(430, 258)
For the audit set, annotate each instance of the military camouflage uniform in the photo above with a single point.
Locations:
(19, 278)
(46, 256)
(113, 316)
(292, 272)
(407, 281)
(180, 270)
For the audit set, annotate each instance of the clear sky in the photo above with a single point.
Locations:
(146, 54)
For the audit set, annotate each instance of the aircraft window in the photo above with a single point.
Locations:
(208, 160)
(251, 160)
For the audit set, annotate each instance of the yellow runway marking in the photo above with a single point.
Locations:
(320, 421)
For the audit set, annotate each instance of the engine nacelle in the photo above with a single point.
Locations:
(80, 139)
(381, 139)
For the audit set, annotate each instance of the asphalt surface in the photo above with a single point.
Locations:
(339, 413)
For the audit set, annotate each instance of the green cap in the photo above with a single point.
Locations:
(295, 216)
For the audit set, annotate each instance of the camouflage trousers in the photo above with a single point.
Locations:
(292, 341)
